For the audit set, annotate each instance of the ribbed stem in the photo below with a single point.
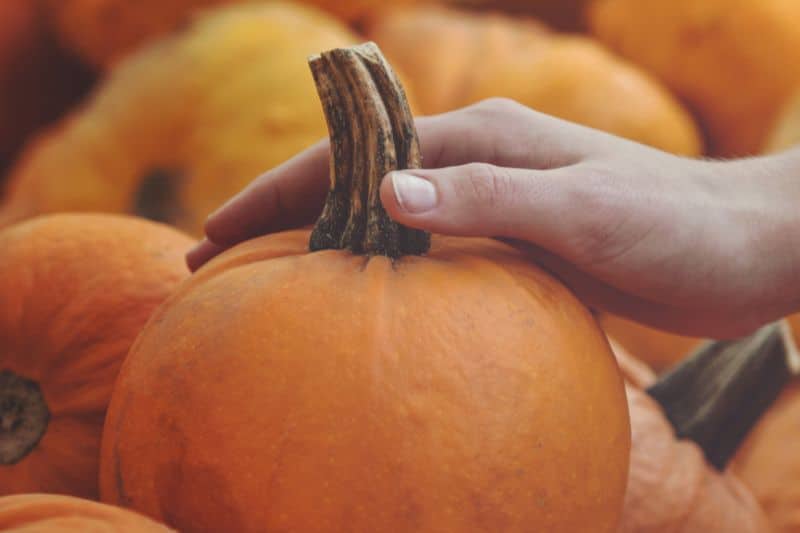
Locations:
(717, 395)
(372, 133)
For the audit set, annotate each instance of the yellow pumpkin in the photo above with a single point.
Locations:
(735, 62)
(184, 124)
(453, 58)
(104, 31)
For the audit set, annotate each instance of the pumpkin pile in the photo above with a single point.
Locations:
(360, 375)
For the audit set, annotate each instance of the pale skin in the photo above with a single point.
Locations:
(698, 247)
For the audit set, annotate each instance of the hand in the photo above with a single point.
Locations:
(696, 247)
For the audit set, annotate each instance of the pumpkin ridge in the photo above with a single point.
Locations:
(24, 417)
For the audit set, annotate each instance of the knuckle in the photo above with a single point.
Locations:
(487, 184)
(497, 106)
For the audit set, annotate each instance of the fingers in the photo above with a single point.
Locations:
(481, 200)
(203, 252)
(495, 131)
(287, 196)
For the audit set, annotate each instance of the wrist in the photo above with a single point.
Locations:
(760, 220)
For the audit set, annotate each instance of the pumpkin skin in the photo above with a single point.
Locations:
(658, 349)
(27, 513)
(104, 31)
(367, 400)
(76, 290)
(454, 58)
(38, 82)
(735, 63)
(185, 124)
(767, 460)
(671, 487)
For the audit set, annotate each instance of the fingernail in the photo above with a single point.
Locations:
(414, 194)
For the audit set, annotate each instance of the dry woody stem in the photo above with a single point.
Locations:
(371, 132)
(717, 395)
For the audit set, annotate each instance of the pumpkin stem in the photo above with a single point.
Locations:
(23, 417)
(717, 395)
(371, 132)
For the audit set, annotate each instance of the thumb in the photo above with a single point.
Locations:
(479, 200)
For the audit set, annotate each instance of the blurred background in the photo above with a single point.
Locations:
(165, 108)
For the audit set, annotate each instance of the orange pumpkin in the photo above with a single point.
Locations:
(735, 63)
(671, 486)
(658, 349)
(29, 513)
(768, 461)
(369, 388)
(37, 80)
(186, 123)
(104, 31)
(76, 290)
(453, 58)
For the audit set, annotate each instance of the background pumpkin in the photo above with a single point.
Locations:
(659, 349)
(185, 124)
(786, 132)
(37, 79)
(671, 486)
(768, 461)
(76, 290)
(29, 513)
(453, 58)
(462, 390)
(104, 31)
(735, 63)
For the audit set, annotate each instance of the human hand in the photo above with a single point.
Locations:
(696, 247)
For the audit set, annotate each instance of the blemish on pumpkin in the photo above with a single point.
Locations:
(178, 474)
(157, 197)
(23, 417)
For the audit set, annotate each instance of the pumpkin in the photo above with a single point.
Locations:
(768, 461)
(659, 349)
(37, 80)
(28, 513)
(671, 486)
(104, 31)
(370, 388)
(454, 58)
(185, 124)
(786, 131)
(735, 63)
(76, 290)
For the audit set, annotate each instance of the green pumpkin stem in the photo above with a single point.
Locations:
(371, 133)
(717, 395)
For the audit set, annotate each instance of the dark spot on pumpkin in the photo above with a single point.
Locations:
(23, 417)
(158, 196)
(177, 478)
